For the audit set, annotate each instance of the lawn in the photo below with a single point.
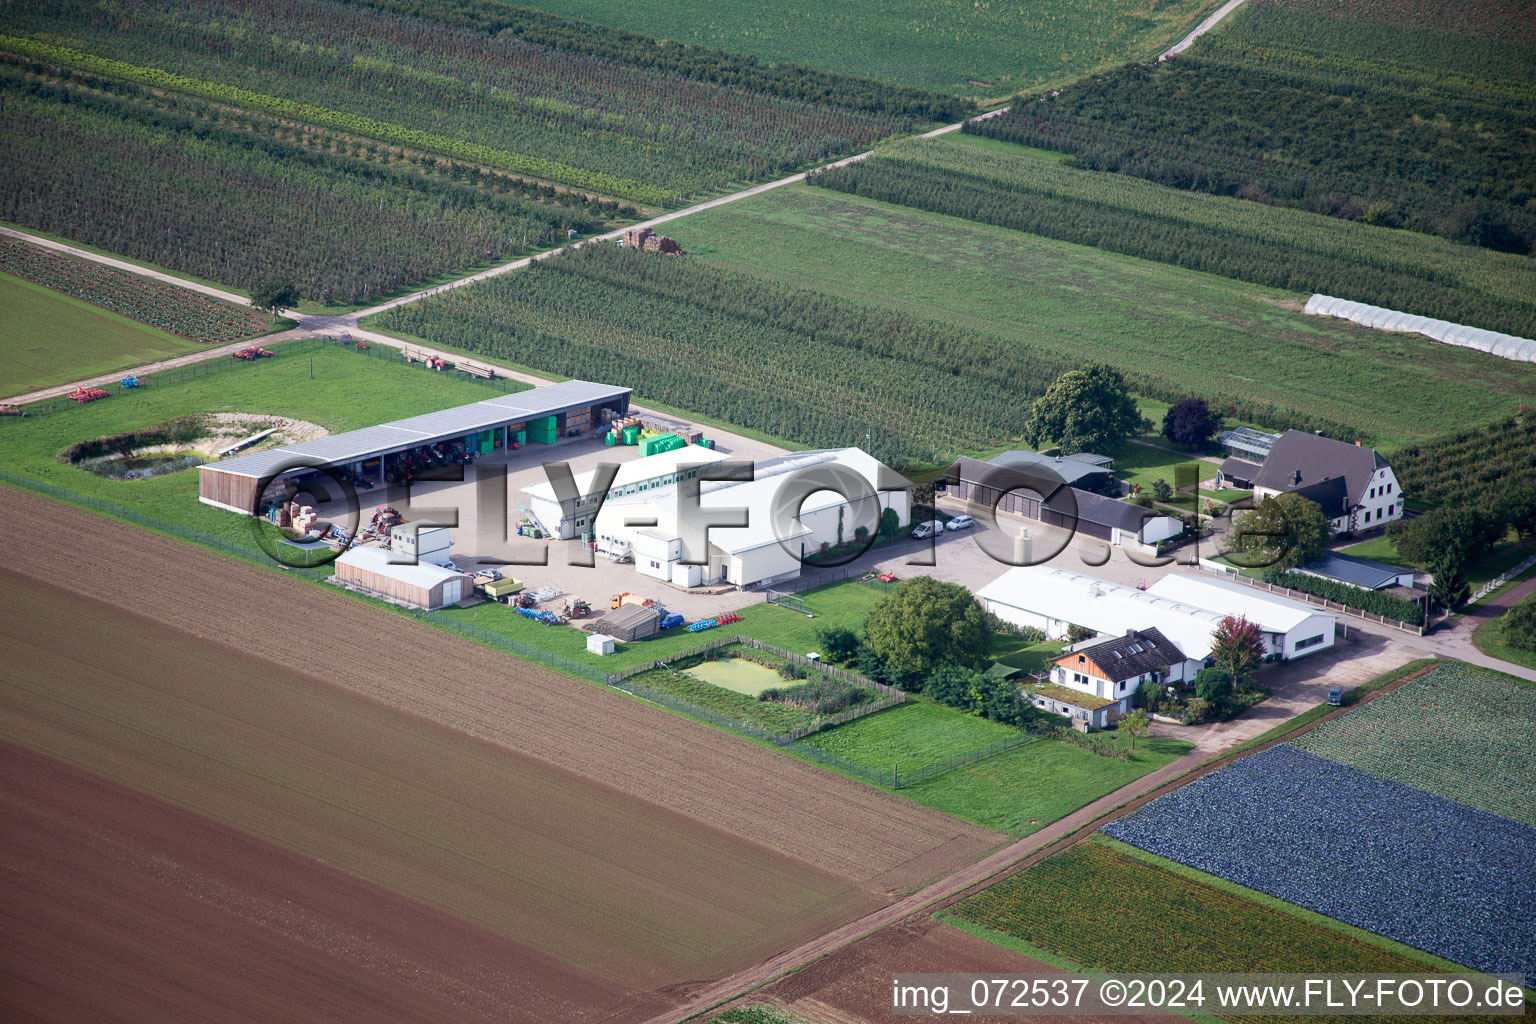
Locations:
(1489, 638)
(1100, 905)
(47, 338)
(1017, 791)
(1015, 291)
(841, 604)
(971, 49)
(1383, 548)
(1024, 789)
(909, 736)
(346, 391)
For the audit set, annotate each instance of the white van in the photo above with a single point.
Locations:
(922, 531)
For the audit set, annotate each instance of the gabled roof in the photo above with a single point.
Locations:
(1070, 468)
(1299, 459)
(1125, 657)
(1100, 605)
(1095, 508)
(1359, 572)
(1331, 495)
(1273, 613)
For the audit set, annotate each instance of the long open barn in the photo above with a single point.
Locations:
(541, 415)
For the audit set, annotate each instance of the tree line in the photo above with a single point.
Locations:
(1051, 204)
(741, 70)
(1376, 123)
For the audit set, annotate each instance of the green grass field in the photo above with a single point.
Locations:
(842, 604)
(981, 49)
(347, 391)
(1101, 905)
(47, 338)
(1024, 789)
(1193, 330)
(1017, 791)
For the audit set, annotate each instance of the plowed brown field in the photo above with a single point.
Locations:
(119, 907)
(593, 833)
(824, 819)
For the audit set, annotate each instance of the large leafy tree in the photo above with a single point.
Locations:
(1083, 410)
(1237, 647)
(924, 623)
(274, 294)
(1190, 421)
(1282, 532)
(1463, 533)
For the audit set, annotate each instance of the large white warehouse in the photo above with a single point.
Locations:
(647, 520)
(1185, 609)
(1291, 628)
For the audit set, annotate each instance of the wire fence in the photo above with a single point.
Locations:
(625, 680)
(247, 552)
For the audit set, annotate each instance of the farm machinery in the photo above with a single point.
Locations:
(407, 465)
(719, 620)
(546, 617)
(577, 608)
(251, 352)
(84, 395)
(12, 410)
(130, 382)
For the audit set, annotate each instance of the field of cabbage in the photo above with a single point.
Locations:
(1418, 868)
(176, 310)
(1456, 732)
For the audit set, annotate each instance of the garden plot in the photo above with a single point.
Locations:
(1455, 732)
(1374, 853)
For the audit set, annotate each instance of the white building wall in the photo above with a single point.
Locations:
(1315, 626)
(767, 563)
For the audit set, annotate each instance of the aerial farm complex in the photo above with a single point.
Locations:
(595, 513)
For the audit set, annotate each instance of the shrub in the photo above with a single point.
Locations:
(838, 644)
(1162, 490)
(1520, 626)
(1372, 601)
(789, 670)
(1077, 634)
(1213, 685)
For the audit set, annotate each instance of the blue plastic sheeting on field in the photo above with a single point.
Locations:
(1394, 860)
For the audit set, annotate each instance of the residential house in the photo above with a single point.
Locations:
(1114, 669)
(1354, 485)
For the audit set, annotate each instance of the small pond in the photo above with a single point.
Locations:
(141, 467)
(738, 675)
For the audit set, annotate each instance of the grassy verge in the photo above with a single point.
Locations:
(1079, 907)
(1489, 638)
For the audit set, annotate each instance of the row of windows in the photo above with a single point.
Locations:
(1381, 490)
(1311, 641)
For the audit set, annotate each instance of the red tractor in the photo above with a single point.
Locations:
(253, 352)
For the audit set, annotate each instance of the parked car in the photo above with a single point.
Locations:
(1335, 696)
(670, 621)
(961, 522)
(922, 531)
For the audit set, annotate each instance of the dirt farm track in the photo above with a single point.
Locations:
(608, 857)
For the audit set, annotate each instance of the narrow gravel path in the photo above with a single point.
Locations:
(1201, 29)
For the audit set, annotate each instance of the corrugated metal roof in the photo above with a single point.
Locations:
(424, 429)
(1362, 572)
(377, 560)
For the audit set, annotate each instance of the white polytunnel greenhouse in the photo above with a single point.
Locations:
(1506, 346)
